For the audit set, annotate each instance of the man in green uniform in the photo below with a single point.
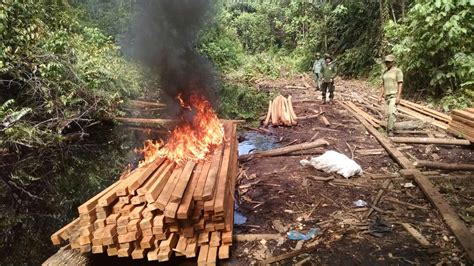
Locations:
(391, 91)
(328, 73)
(318, 64)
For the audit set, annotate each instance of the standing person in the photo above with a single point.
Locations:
(328, 73)
(318, 64)
(391, 91)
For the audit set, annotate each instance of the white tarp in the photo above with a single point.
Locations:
(334, 162)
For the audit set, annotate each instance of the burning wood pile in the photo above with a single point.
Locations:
(462, 123)
(280, 112)
(179, 201)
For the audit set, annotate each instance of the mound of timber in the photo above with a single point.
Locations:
(462, 123)
(163, 209)
(280, 112)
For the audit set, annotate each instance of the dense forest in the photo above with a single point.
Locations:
(67, 66)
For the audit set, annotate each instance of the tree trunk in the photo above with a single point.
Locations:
(403, 8)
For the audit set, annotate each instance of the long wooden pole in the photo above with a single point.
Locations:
(284, 150)
(431, 141)
(446, 166)
(133, 120)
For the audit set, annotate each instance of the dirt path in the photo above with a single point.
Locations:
(279, 188)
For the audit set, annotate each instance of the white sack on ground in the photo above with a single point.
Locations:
(332, 161)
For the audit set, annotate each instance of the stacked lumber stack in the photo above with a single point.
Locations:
(425, 114)
(280, 112)
(462, 123)
(162, 209)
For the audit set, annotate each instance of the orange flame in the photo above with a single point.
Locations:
(192, 140)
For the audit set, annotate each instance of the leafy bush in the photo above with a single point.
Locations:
(239, 101)
(435, 47)
(65, 74)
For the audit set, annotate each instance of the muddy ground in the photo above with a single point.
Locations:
(279, 190)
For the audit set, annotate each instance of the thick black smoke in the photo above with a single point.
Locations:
(166, 32)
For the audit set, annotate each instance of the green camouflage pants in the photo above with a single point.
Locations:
(391, 111)
(317, 79)
(328, 86)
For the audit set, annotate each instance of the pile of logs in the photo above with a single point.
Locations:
(162, 209)
(462, 123)
(280, 112)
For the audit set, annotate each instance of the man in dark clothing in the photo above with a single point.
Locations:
(328, 73)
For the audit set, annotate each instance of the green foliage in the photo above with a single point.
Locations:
(242, 102)
(67, 75)
(111, 16)
(355, 36)
(221, 44)
(435, 47)
(44, 191)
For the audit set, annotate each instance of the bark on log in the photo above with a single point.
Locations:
(431, 141)
(407, 125)
(284, 150)
(445, 166)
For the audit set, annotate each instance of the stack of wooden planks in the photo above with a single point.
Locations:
(280, 112)
(462, 123)
(162, 209)
(425, 114)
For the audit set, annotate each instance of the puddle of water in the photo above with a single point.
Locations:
(255, 141)
(238, 217)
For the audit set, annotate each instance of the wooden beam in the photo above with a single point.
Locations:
(465, 114)
(161, 178)
(61, 234)
(427, 111)
(92, 202)
(284, 150)
(185, 206)
(417, 235)
(183, 181)
(212, 175)
(137, 120)
(140, 103)
(445, 166)
(431, 141)
(133, 120)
